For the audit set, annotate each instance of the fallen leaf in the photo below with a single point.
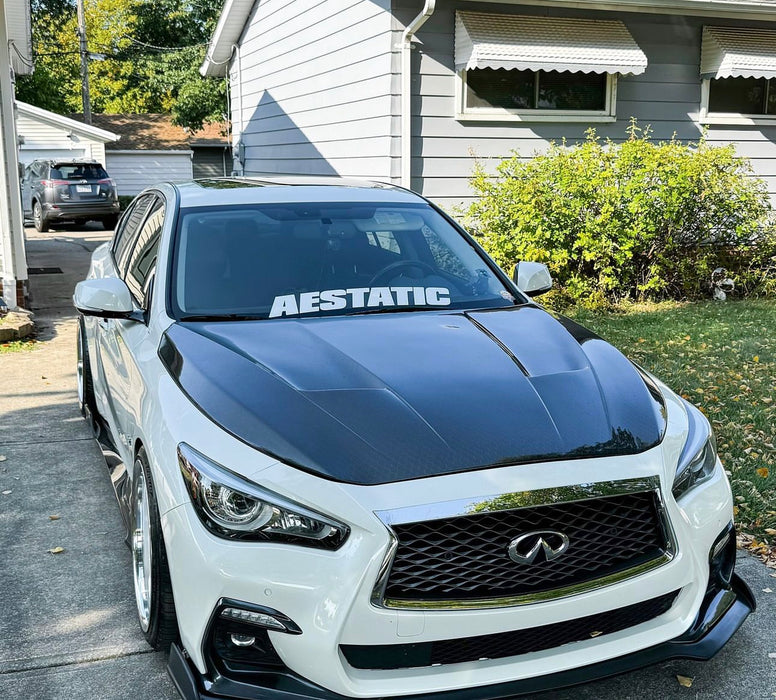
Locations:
(5, 493)
(767, 590)
(57, 550)
(53, 517)
(596, 634)
(3, 458)
(770, 531)
(685, 681)
(763, 472)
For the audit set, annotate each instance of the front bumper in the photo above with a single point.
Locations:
(721, 614)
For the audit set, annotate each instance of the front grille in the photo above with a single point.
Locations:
(466, 557)
(505, 644)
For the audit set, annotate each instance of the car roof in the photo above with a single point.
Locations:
(275, 189)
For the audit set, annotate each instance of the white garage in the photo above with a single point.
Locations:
(44, 134)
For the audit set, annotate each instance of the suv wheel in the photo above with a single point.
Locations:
(41, 223)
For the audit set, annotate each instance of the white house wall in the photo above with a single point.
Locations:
(43, 140)
(666, 97)
(311, 89)
(133, 171)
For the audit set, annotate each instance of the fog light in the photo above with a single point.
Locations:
(254, 618)
(242, 640)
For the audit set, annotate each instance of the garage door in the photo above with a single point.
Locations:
(27, 155)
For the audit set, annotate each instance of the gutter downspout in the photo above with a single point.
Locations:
(406, 90)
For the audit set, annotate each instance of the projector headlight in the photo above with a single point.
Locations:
(235, 508)
(699, 456)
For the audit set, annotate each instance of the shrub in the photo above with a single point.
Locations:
(636, 220)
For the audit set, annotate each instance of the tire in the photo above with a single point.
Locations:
(86, 402)
(150, 572)
(40, 221)
(109, 222)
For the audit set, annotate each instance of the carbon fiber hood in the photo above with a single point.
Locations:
(383, 398)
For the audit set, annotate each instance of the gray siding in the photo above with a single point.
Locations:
(211, 161)
(666, 97)
(311, 90)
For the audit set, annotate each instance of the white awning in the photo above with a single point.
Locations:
(521, 42)
(735, 52)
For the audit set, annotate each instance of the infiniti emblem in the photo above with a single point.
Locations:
(530, 547)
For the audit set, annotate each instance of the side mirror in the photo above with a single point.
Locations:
(532, 278)
(108, 297)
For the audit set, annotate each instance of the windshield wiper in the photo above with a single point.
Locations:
(395, 310)
(221, 317)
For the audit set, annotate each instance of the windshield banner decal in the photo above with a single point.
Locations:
(358, 298)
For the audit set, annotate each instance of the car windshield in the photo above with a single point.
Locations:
(299, 260)
(78, 171)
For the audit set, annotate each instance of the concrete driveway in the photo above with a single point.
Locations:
(68, 628)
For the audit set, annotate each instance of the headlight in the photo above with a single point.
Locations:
(235, 508)
(699, 456)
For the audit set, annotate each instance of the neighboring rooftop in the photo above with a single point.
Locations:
(156, 132)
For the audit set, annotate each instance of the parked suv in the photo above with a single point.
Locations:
(69, 190)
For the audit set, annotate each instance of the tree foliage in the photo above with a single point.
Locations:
(152, 51)
(636, 220)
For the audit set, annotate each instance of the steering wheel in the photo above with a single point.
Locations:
(400, 264)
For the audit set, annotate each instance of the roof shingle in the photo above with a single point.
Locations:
(156, 132)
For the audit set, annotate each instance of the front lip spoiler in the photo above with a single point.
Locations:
(720, 616)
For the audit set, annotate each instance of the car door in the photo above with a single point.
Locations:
(131, 337)
(112, 358)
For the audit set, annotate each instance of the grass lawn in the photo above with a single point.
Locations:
(721, 356)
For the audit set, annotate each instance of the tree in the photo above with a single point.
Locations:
(151, 54)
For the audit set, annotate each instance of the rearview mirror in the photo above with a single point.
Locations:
(532, 278)
(108, 297)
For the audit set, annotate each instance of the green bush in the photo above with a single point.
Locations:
(636, 220)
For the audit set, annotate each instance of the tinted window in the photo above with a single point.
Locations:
(743, 95)
(526, 90)
(78, 171)
(128, 229)
(142, 262)
(295, 260)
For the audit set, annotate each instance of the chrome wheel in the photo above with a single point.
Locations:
(141, 548)
(79, 368)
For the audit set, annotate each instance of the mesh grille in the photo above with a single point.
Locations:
(467, 557)
(505, 644)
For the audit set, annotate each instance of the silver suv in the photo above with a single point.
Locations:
(69, 190)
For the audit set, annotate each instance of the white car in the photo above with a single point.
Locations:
(356, 460)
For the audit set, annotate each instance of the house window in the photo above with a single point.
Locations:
(738, 72)
(531, 90)
(536, 95)
(751, 96)
(536, 68)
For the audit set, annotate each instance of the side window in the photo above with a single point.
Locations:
(142, 262)
(128, 230)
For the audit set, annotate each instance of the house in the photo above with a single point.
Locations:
(153, 149)
(411, 91)
(15, 59)
(44, 134)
